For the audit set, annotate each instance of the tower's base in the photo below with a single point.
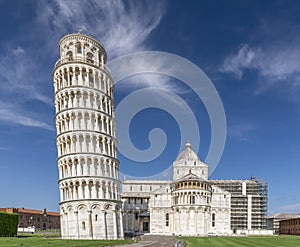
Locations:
(91, 220)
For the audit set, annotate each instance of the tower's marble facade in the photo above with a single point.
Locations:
(89, 182)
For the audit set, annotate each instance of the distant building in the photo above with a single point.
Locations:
(40, 219)
(273, 220)
(192, 205)
(290, 226)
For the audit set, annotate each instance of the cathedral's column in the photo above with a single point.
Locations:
(173, 221)
(205, 222)
(126, 220)
(187, 224)
(196, 222)
(121, 223)
(133, 217)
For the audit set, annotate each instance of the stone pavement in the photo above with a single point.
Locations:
(153, 241)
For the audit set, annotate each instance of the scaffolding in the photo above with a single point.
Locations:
(248, 202)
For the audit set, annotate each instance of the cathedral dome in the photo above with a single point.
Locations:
(188, 154)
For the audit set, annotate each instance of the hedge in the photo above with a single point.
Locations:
(8, 224)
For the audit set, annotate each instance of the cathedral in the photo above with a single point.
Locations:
(193, 205)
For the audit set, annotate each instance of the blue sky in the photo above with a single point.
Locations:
(248, 49)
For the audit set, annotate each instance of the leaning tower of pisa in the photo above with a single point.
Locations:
(89, 184)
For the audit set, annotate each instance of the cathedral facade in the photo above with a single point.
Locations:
(192, 205)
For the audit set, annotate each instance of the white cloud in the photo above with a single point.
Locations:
(237, 63)
(291, 208)
(11, 113)
(273, 63)
(19, 75)
(242, 131)
(121, 27)
(146, 78)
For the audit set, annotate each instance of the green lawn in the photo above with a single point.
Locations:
(45, 242)
(272, 241)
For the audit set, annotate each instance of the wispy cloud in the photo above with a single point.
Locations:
(244, 58)
(19, 83)
(142, 68)
(274, 64)
(122, 27)
(291, 208)
(271, 56)
(19, 75)
(242, 131)
(10, 113)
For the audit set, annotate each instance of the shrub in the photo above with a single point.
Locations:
(8, 224)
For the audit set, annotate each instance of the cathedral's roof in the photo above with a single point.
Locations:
(190, 177)
(188, 153)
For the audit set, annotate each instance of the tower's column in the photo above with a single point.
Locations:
(115, 224)
(77, 226)
(90, 224)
